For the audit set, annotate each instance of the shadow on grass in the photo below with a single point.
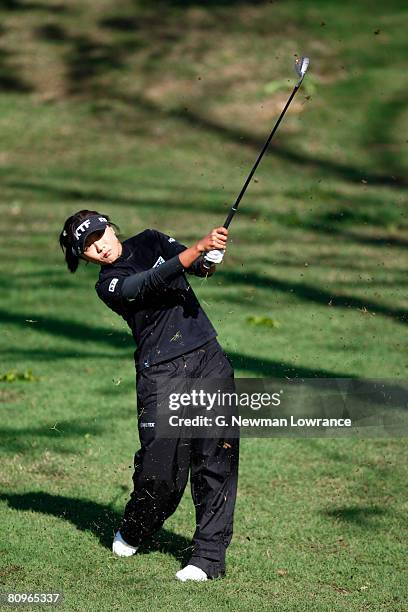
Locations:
(375, 213)
(345, 453)
(279, 369)
(133, 22)
(53, 354)
(304, 160)
(332, 229)
(51, 32)
(208, 3)
(17, 5)
(88, 59)
(83, 333)
(361, 516)
(99, 519)
(10, 81)
(90, 196)
(343, 214)
(70, 329)
(309, 293)
(379, 133)
(16, 440)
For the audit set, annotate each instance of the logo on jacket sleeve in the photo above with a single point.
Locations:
(159, 262)
(113, 284)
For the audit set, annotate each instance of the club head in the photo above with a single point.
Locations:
(301, 65)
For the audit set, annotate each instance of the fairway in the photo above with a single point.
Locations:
(153, 113)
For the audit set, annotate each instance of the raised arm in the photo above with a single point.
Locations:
(143, 285)
(171, 247)
(215, 240)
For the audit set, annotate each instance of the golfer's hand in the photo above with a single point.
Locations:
(214, 257)
(215, 240)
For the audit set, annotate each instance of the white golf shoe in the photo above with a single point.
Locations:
(122, 548)
(191, 572)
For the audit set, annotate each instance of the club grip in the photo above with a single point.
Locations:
(230, 217)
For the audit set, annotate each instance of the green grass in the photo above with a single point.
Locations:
(153, 114)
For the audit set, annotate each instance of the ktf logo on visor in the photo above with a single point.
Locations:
(92, 224)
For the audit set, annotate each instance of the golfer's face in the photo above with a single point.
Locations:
(102, 247)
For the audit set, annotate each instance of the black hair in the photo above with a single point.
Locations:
(67, 240)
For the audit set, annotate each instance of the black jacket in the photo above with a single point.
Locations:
(146, 285)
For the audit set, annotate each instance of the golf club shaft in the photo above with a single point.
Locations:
(251, 174)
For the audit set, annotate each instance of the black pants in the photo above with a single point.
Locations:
(162, 467)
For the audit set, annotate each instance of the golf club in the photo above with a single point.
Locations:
(301, 65)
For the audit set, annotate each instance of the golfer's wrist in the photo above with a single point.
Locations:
(188, 257)
(199, 247)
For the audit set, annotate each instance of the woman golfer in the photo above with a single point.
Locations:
(143, 280)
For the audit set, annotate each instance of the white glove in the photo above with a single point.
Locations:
(214, 257)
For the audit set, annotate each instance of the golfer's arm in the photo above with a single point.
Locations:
(198, 268)
(151, 281)
(190, 255)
